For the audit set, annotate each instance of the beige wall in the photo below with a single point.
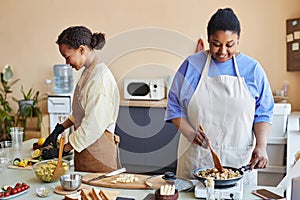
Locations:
(29, 29)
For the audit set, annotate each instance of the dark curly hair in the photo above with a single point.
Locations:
(75, 36)
(225, 20)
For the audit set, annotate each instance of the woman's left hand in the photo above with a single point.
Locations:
(259, 158)
(68, 147)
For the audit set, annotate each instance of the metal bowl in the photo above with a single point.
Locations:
(4, 162)
(70, 181)
(43, 170)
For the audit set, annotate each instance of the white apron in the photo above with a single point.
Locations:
(225, 108)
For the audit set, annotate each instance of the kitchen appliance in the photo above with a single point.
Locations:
(232, 192)
(223, 182)
(59, 98)
(59, 109)
(144, 89)
(181, 184)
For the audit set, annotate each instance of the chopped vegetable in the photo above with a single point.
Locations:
(16, 161)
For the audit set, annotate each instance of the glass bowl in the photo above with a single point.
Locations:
(43, 170)
(4, 162)
(44, 191)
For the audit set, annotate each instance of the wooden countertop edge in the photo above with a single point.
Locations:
(144, 103)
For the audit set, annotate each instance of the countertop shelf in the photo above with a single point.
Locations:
(144, 103)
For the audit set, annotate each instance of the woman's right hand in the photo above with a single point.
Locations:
(197, 137)
(201, 139)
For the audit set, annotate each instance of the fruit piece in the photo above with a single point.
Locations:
(5, 187)
(33, 161)
(36, 153)
(41, 141)
(14, 191)
(16, 161)
(23, 163)
(35, 146)
(6, 194)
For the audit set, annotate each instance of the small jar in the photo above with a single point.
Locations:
(210, 189)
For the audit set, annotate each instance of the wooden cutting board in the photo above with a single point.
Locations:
(60, 190)
(106, 182)
(28, 167)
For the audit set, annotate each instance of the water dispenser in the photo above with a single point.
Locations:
(63, 79)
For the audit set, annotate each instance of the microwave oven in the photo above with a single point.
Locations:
(144, 89)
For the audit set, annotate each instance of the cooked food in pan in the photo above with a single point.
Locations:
(225, 174)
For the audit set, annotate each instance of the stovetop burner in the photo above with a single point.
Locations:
(225, 186)
(234, 191)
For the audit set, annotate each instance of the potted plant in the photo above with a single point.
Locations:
(7, 115)
(28, 107)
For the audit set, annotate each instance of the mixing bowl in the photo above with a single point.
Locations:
(43, 170)
(70, 181)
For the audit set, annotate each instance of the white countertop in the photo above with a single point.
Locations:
(12, 176)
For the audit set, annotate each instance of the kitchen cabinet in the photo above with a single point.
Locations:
(148, 144)
(293, 141)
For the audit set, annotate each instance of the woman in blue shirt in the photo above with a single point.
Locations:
(228, 93)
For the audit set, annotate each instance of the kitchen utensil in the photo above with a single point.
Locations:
(60, 170)
(43, 170)
(109, 182)
(4, 162)
(113, 173)
(216, 158)
(222, 182)
(70, 181)
(44, 191)
(181, 184)
(60, 190)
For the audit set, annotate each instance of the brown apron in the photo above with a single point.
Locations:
(103, 154)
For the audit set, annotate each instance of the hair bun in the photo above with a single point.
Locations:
(98, 41)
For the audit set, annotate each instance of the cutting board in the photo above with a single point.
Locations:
(106, 182)
(28, 167)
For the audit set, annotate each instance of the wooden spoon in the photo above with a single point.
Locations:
(216, 158)
(59, 170)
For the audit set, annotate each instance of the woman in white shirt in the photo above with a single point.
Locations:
(95, 104)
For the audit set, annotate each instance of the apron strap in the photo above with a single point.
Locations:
(235, 66)
(205, 69)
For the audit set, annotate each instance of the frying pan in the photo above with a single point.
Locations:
(220, 182)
